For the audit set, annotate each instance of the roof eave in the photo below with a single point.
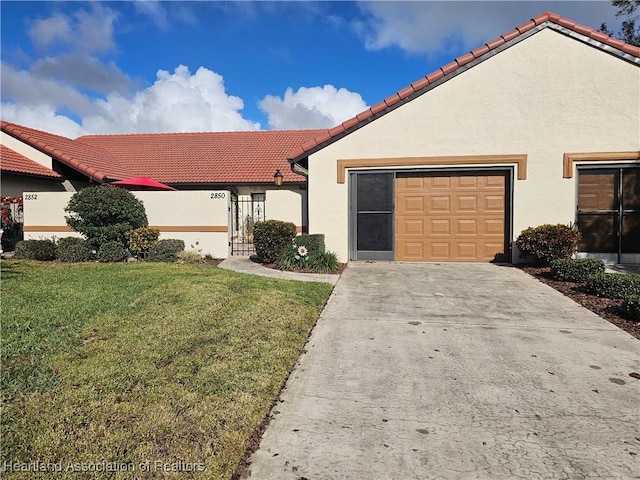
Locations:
(462, 64)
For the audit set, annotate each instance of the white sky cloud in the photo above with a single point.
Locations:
(176, 102)
(446, 27)
(314, 107)
(42, 117)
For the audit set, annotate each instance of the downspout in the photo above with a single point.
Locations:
(300, 170)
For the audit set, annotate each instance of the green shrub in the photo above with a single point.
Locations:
(112, 252)
(576, 270)
(105, 214)
(271, 237)
(74, 249)
(613, 285)
(631, 307)
(166, 250)
(43, 250)
(190, 257)
(313, 242)
(290, 258)
(546, 243)
(323, 262)
(142, 239)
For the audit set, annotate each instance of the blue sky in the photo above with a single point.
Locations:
(74, 68)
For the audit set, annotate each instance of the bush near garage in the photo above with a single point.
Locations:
(547, 242)
(631, 307)
(323, 262)
(142, 239)
(74, 249)
(613, 285)
(166, 250)
(576, 269)
(271, 237)
(110, 252)
(42, 250)
(105, 214)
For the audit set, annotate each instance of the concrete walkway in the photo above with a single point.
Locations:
(456, 371)
(245, 265)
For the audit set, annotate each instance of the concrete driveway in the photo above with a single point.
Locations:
(467, 371)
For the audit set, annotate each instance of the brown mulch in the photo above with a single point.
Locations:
(608, 308)
(341, 267)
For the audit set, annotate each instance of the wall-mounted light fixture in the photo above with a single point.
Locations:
(277, 178)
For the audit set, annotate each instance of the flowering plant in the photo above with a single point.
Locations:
(302, 252)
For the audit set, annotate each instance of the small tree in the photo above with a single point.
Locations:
(105, 214)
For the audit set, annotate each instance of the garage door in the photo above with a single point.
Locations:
(453, 218)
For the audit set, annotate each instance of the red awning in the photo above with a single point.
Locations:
(141, 183)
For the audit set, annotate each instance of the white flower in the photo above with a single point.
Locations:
(302, 251)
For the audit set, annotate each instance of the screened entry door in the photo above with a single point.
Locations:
(609, 213)
(372, 214)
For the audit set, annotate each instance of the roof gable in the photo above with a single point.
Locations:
(92, 162)
(14, 162)
(419, 87)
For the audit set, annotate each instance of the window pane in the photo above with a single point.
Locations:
(374, 232)
(597, 190)
(631, 189)
(631, 233)
(598, 233)
(375, 192)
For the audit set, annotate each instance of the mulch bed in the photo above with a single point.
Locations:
(341, 267)
(608, 308)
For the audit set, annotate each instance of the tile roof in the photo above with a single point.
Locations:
(93, 162)
(13, 162)
(216, 157)
(420, 86)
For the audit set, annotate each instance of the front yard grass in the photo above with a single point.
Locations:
(115, 365)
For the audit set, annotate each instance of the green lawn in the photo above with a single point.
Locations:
(107, 366)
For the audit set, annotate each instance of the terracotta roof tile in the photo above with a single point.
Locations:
(13, 162)
(406, 92)
(449, 67)
(208, 158)
(93, 162)
(464, 59)
(525, 27)
(435, 76)
(392, 100)
(510, 35)
(420, 84)
(379, 109)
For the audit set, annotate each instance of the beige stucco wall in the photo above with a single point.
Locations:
(193, 216)
(25, 150)
(543, 97)
(285, 205)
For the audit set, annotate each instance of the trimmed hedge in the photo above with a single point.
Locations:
(166, 250)
(631, 307)
(74, 249)
(271, 237)
(42, 250)
(546, 243)
(613, 285)
(314, 242)
(105, 213)
(576, 269)
(112, 251)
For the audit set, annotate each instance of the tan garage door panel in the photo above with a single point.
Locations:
(450, 218)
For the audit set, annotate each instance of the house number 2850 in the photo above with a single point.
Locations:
(217, 195)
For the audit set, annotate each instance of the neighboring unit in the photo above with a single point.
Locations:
(541, 125)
